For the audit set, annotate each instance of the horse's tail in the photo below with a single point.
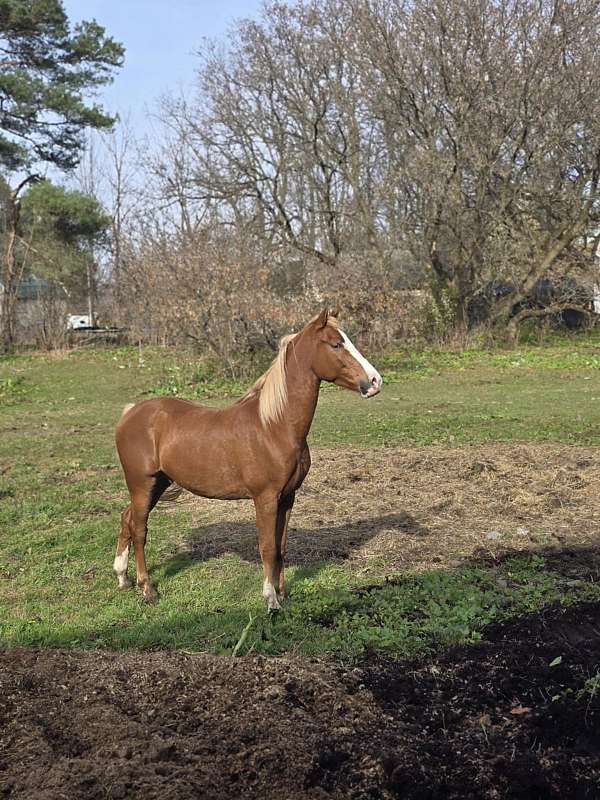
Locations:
(171, 493)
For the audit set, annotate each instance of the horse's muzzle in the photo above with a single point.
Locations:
(369, 388)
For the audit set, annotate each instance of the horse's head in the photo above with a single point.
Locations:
(337, 360)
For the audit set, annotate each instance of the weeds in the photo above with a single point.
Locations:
(590, 688)
(12, 390)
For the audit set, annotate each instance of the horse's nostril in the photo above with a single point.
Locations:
(374, 381)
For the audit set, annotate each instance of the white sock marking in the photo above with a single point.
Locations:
(270, 596)
(121, 561)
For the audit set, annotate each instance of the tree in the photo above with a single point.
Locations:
(282, 134)
(462, 133)
(62, 231)
(48, 70)
(495, 119)
(109, 169)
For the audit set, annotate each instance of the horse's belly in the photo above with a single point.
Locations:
(220, 486)
(205, 475)
(213, 493)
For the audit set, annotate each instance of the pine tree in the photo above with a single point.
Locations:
(48, 72)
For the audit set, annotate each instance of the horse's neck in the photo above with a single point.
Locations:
(302, 395)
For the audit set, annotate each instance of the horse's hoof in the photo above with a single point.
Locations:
(273, 611)
(150, 595)
(125, 583)
(273, 604)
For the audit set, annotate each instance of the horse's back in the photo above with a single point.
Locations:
(144, 425)
(147, 412)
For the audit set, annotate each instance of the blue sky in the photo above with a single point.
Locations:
(160, 39)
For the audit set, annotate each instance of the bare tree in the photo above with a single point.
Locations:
(282, 134)
(121, 193)
(359, 141)
(494, 113)
(109, 170)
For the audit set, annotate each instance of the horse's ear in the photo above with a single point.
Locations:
(321, 320)
(323, 317)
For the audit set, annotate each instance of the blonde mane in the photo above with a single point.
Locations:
(271, 387)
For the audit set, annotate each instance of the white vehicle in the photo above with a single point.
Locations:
(77, 321)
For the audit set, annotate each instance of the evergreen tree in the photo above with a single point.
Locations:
(61, 231)
(48, 70)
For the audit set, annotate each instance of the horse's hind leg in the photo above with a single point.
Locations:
(134, 528)
(122, 555)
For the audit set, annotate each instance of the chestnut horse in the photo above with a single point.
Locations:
(255, 448)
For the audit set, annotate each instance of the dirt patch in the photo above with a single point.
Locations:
(417, 508)
(166, 725)
(492, 721)
(515, 717)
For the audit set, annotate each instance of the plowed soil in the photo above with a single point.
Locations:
(491, 721)
(517, 716)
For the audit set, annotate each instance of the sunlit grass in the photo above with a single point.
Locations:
(61, 492)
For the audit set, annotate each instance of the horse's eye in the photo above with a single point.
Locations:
(337, 345)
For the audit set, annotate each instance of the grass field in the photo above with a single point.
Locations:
(495, 422)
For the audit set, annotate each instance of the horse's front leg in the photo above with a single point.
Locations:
(284, 510)
(270, 549)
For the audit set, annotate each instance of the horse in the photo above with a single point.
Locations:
(254, 449)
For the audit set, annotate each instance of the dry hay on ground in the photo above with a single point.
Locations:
(422, 507)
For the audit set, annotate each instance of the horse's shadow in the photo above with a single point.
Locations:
(306, 546)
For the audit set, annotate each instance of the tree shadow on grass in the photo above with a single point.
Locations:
(306, 546)
(574, 562)
(313, 616)
(220, 628)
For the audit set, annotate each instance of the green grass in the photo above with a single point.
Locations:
(537, 393)
(12, 389)
(61, 492)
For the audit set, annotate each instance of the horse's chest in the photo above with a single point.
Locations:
(300, 472)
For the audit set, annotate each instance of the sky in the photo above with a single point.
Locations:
(160, 38)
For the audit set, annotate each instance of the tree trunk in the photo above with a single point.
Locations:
(91, 292)
(9, 278)
(462, 296)
(511, 333)
(502, 311)
(514, 323)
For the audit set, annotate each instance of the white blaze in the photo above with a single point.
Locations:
(372, 374)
